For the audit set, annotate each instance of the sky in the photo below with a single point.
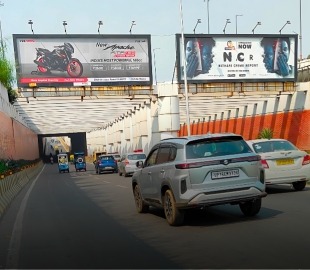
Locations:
(159, 18)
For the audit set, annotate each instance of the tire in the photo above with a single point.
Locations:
(141, 206)
(251, 208)
(119, 173)
(300, 185)
(174, 216)
(74, 68)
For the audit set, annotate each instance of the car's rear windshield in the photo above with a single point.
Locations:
(137, 156)
(273, 146)
(106, 157)
(219, 146)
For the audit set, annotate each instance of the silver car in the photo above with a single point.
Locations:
(199, 171)
(127, 164)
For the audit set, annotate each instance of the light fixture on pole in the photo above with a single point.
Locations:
(2, 45)
(258, 23)
(31, 23)
(288, 22)
(99, 24)
(198, 21)
(64, 23)
(184, 71)
(227, 21)
(237, 22)
(132, 24)
(300, 30)
(155, 72)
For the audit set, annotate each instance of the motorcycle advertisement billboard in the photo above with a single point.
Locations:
(237, 58)
(82, 60)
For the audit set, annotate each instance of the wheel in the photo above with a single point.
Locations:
(300, 185)
(75, 68)
(174, 216)
(251, 208)
(141, 206)
(119, 173)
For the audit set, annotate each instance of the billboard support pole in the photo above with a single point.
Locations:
(184, 71)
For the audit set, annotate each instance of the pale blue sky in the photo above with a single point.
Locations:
(159, 18)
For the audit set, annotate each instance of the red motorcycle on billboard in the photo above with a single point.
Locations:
(59, 59)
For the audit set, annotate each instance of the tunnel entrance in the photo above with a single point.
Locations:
(53, 144)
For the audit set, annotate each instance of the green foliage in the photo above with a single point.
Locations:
(265, 133)
(7, 75)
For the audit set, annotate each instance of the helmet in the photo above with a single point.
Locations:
(69, 47)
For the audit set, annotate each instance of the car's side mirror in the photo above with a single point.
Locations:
(139, 164)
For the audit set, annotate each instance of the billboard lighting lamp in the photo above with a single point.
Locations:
(198, 21)
(258, 23)
(64, 23)
(288, 22)
(132, 24)
(31, 23)
(227, 22)
(99, 24)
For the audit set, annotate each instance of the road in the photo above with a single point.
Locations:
(82, 220)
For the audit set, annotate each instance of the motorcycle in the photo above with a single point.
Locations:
(59, 59)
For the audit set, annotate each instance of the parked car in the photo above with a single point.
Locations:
(199, 171)
(127, 164)
(106, 163)
(283, 162)
(116, 156)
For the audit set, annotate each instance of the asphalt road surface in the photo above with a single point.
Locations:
(80, 220)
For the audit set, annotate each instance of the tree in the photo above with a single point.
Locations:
(7, 75)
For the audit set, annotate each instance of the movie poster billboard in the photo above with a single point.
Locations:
(82, 60)
(237, 58)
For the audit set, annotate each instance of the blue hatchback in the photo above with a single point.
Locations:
(106, 163)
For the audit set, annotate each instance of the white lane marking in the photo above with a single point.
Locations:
(121, 186)
(14, 247)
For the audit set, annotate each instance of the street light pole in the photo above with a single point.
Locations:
(208, 15)
(237, 22)
(184, 71)
(132, 24)
(300, 31)
(155, 65)
(2, 45)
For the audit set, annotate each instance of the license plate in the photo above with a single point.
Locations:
(287, 161)
(225, 174)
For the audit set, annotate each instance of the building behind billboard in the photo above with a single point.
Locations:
(102, 60)
(237, 58)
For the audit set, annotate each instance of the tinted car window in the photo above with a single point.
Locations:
(216, 147)
(163, 155)
(152, 158)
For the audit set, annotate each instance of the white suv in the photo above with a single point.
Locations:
(199, 171)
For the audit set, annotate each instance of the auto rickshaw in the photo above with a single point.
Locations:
(63, 164)
(79, 161)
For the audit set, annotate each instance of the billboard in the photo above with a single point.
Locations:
(237, 58)
(82, 60)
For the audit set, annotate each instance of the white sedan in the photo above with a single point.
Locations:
(284, 163)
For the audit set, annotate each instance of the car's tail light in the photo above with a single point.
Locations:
(264, 163)
(126, 162)
(306, 160)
